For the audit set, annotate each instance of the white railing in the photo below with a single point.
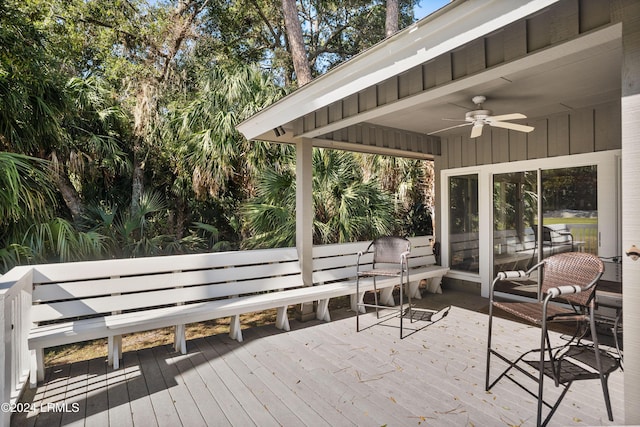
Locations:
(15, 322)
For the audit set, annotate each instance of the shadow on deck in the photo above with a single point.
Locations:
(316, 374)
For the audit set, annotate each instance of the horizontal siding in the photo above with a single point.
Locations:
(385, 137)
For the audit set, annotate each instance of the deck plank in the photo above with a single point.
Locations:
(163, 408)
(75, 394)
(182, 399)
(206, 361)
(199, 390)
(139, 399)
(265, 385)
(97, 399)
(234, 385)
(319, 373)
(299, 383)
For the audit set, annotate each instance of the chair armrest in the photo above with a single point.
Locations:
(564, 290)
(513, 275)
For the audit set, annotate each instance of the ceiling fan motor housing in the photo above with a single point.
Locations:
(472, 116)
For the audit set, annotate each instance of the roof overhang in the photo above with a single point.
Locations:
(455, 25)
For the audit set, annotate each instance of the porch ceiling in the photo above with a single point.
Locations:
(556, 83)
(582, 72)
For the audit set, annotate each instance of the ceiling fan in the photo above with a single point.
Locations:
(480, 117)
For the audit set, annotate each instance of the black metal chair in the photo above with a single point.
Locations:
(566, 294)
(389, 260)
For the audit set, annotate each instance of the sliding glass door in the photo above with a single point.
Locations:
(567, 205)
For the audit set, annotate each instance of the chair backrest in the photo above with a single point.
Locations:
(388, 249)
(573, 269)
(546, 234)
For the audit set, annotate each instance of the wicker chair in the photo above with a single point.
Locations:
(389, 260)
(566, 294)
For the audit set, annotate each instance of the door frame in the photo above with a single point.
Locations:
(609, 205)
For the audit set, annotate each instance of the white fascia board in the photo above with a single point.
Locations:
(457, 24)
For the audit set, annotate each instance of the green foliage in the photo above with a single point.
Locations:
(347, 208)
(76, 125)
(30, 94)
(26, 191)
(254, 32)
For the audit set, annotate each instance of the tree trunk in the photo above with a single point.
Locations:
(142, 116)
(71, 197)
(391, 21)
(296, 43)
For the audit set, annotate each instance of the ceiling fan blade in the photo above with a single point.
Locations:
(476, 130)
(512, 126)
(451, 127)
(503, 117)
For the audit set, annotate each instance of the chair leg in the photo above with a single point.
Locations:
(358, 303)
(490, 326)
(409, 298)
(401, 304)
(543, 334)
(603, 378)
(375, 296)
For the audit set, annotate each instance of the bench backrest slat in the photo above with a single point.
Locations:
(107, 304)
(100, 287)
(49, 273)
(210, 276)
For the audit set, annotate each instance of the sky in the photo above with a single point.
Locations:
(425, 7)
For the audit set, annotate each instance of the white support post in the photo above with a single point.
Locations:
(304, 217)
(358, 299)
(629, 13)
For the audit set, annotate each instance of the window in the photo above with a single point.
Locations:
(463, 223)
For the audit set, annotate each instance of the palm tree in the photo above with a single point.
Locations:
(212, 166)
(347, 208)
(27, 197)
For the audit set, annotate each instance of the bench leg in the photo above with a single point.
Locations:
(435, 282)
(414, 289)
(36, 371)
(386, 296)
(114, 350)
(354, 303)
(282, 320)
(180, 339)
(234, 329)
(322, 312)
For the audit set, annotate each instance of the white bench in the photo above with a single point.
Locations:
(334, 267)
(82, 301)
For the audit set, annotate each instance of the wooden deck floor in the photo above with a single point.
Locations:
(317, 374)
